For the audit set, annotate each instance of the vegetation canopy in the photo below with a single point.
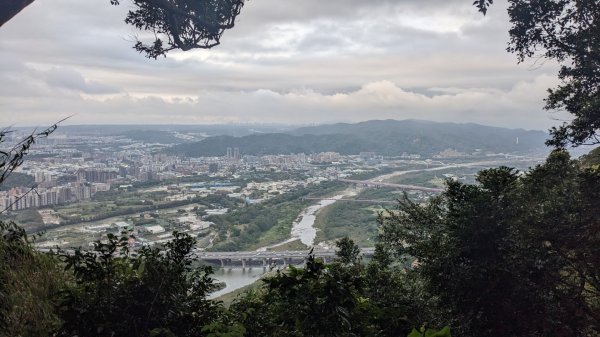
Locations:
(569, 33)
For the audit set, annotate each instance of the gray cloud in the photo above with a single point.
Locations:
(377, 100)
(72, 80)
(289, 62)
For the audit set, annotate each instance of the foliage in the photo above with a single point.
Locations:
(13, 157)
(263, 223)
(483, 5)
(423, 332)
(353, 219)
(339, 299)
(147, 293)
(28, 283)
(317, 300)
(17, 179)
(591, 159)
(257, 220)
(174, 24)
(567, 31)
(388, 137)
(347, 251)
(182, 24)
(519, 249)
(28, 218)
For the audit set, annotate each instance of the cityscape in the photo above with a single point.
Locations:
(76, 189)
(234, 168)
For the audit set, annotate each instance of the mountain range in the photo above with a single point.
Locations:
(384, 137)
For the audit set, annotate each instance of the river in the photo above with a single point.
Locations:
(302, 229)
(236, 278)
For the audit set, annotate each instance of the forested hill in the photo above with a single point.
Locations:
(592, 158)
(385, 137)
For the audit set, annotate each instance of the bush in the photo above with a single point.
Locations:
(29, 281)
(148, 293)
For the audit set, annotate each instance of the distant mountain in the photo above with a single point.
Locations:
(273, 143)
(385, 137)
(237, 130)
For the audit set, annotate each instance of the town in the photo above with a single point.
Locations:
(76, 189)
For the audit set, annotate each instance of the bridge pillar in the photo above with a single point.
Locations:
(222, 263)
(243, 264)
(264, 262)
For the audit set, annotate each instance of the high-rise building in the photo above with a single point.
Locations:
(96, 175)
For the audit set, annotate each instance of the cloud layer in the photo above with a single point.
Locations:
(301, 62)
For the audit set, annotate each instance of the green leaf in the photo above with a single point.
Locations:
(445, 332)
(141, 268)
(415, 333)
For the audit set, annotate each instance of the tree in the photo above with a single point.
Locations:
(518, 249)
(10, 8)
(175, 24)
(148, 293)
(568, 32)
(29, 281)
(347, 251)
(12, 158)
(318, 300)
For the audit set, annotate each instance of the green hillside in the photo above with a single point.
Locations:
(592, 158)
(388, 137)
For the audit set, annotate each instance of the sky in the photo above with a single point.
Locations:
(284, 62)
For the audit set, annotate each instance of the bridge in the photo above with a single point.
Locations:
(354, 200)
(268, 258)
(249, 259)
(370, 183)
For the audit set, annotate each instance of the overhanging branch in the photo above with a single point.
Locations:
(10, 8)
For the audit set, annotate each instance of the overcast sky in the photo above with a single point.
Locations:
(293, 62)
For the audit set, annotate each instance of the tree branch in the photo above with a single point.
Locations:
(10, 8)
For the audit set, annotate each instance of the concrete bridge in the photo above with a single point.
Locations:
(255, 258)
(354, 200)
(268, 258)
(370, 183)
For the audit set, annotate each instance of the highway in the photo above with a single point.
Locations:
(371, 183)
(355, 200)
(258, 255)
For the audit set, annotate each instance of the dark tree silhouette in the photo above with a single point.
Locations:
(10, 8)
(566, 31)
(175, 24)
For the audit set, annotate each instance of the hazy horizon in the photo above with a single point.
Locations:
(256, 124)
